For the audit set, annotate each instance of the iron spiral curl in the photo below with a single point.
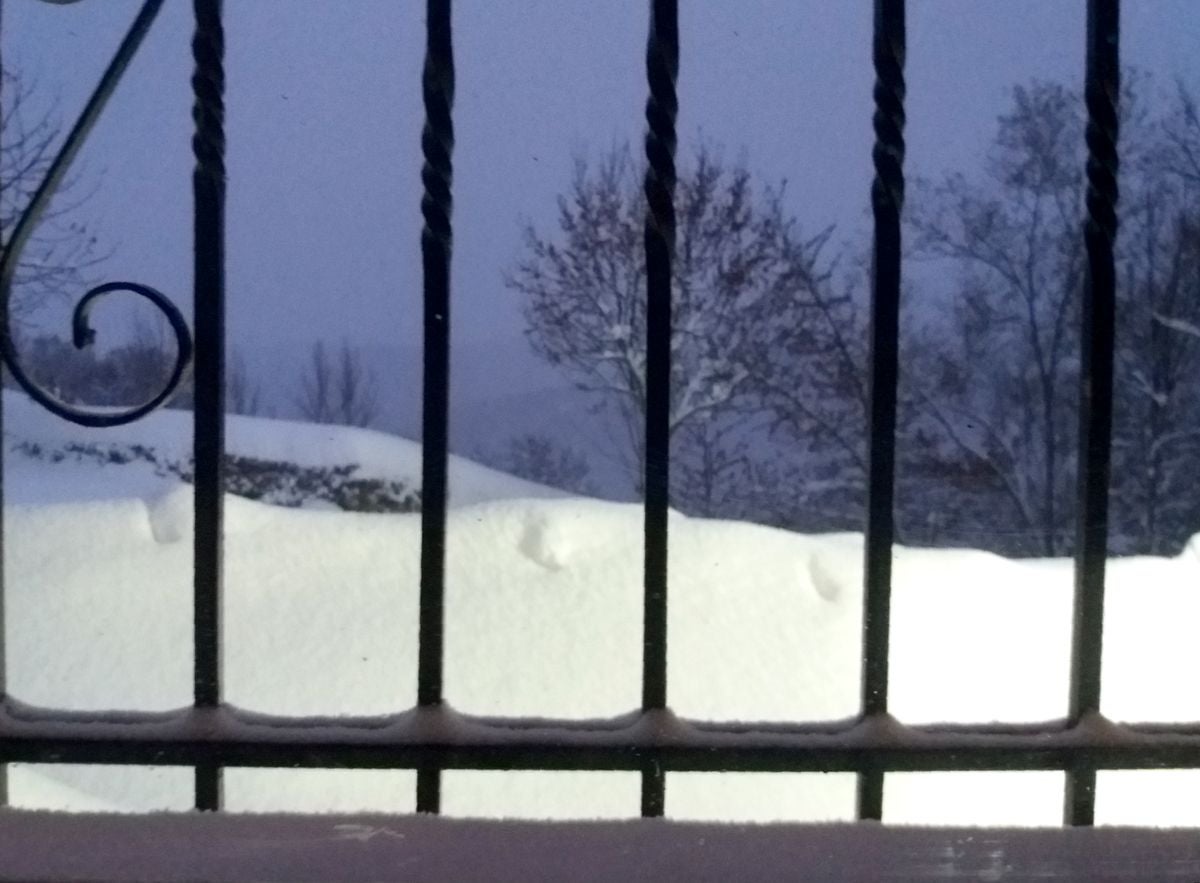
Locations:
(82, 333)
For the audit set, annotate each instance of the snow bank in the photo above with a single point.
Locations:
(543, 617)
(168, 434)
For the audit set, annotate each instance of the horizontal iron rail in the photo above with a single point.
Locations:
(442, 738)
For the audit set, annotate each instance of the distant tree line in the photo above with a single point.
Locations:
(537, 457)
(333, 386)
(769, 392)
(337, 387)
(128, 373)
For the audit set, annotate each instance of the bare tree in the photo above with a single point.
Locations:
(1157, 407)
(242, 394)
(769, 328)
(124, 375)
(997, 384)
(1015, 237)
(337, 388)
(538, 458)
(713, 469)
(63, 248)
(315, 398)
(357, 391)
(1180, 154)
(742, 299)
(810, 374)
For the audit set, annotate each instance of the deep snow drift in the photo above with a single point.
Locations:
(544, 618)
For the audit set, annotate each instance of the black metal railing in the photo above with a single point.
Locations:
(431, 737)
(662, 69)
(887, 197)
(208, 185)
(437, 144)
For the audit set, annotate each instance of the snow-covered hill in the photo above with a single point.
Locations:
(544, 618)
(33, 435)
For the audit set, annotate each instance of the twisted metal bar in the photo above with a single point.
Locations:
(208, 185)
(1101, 95)
(662, 106)
(82, 333)
(437, 173)
(887, 199)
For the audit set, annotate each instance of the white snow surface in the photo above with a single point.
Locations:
(543, 617)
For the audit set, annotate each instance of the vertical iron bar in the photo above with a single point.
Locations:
(3, 454)
(1102, 94)
(437, 145)
(208, 183)
(662, 72)
(429, 790)
(887, 198)
(654, 790)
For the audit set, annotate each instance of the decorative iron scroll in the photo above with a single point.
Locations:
(82, 333)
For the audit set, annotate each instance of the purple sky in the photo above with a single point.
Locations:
(324, 120)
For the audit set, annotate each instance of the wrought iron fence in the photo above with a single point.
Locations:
(431, 738)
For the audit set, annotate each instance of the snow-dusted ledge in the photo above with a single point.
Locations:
(166, 848)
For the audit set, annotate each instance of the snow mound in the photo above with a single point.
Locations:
(172, 516)
(556, 537)
(543, 617)
(167, 434)
(832, 578)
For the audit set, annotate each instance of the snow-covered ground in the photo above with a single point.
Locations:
(543, 618)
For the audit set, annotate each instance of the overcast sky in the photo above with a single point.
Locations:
(324, 118)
